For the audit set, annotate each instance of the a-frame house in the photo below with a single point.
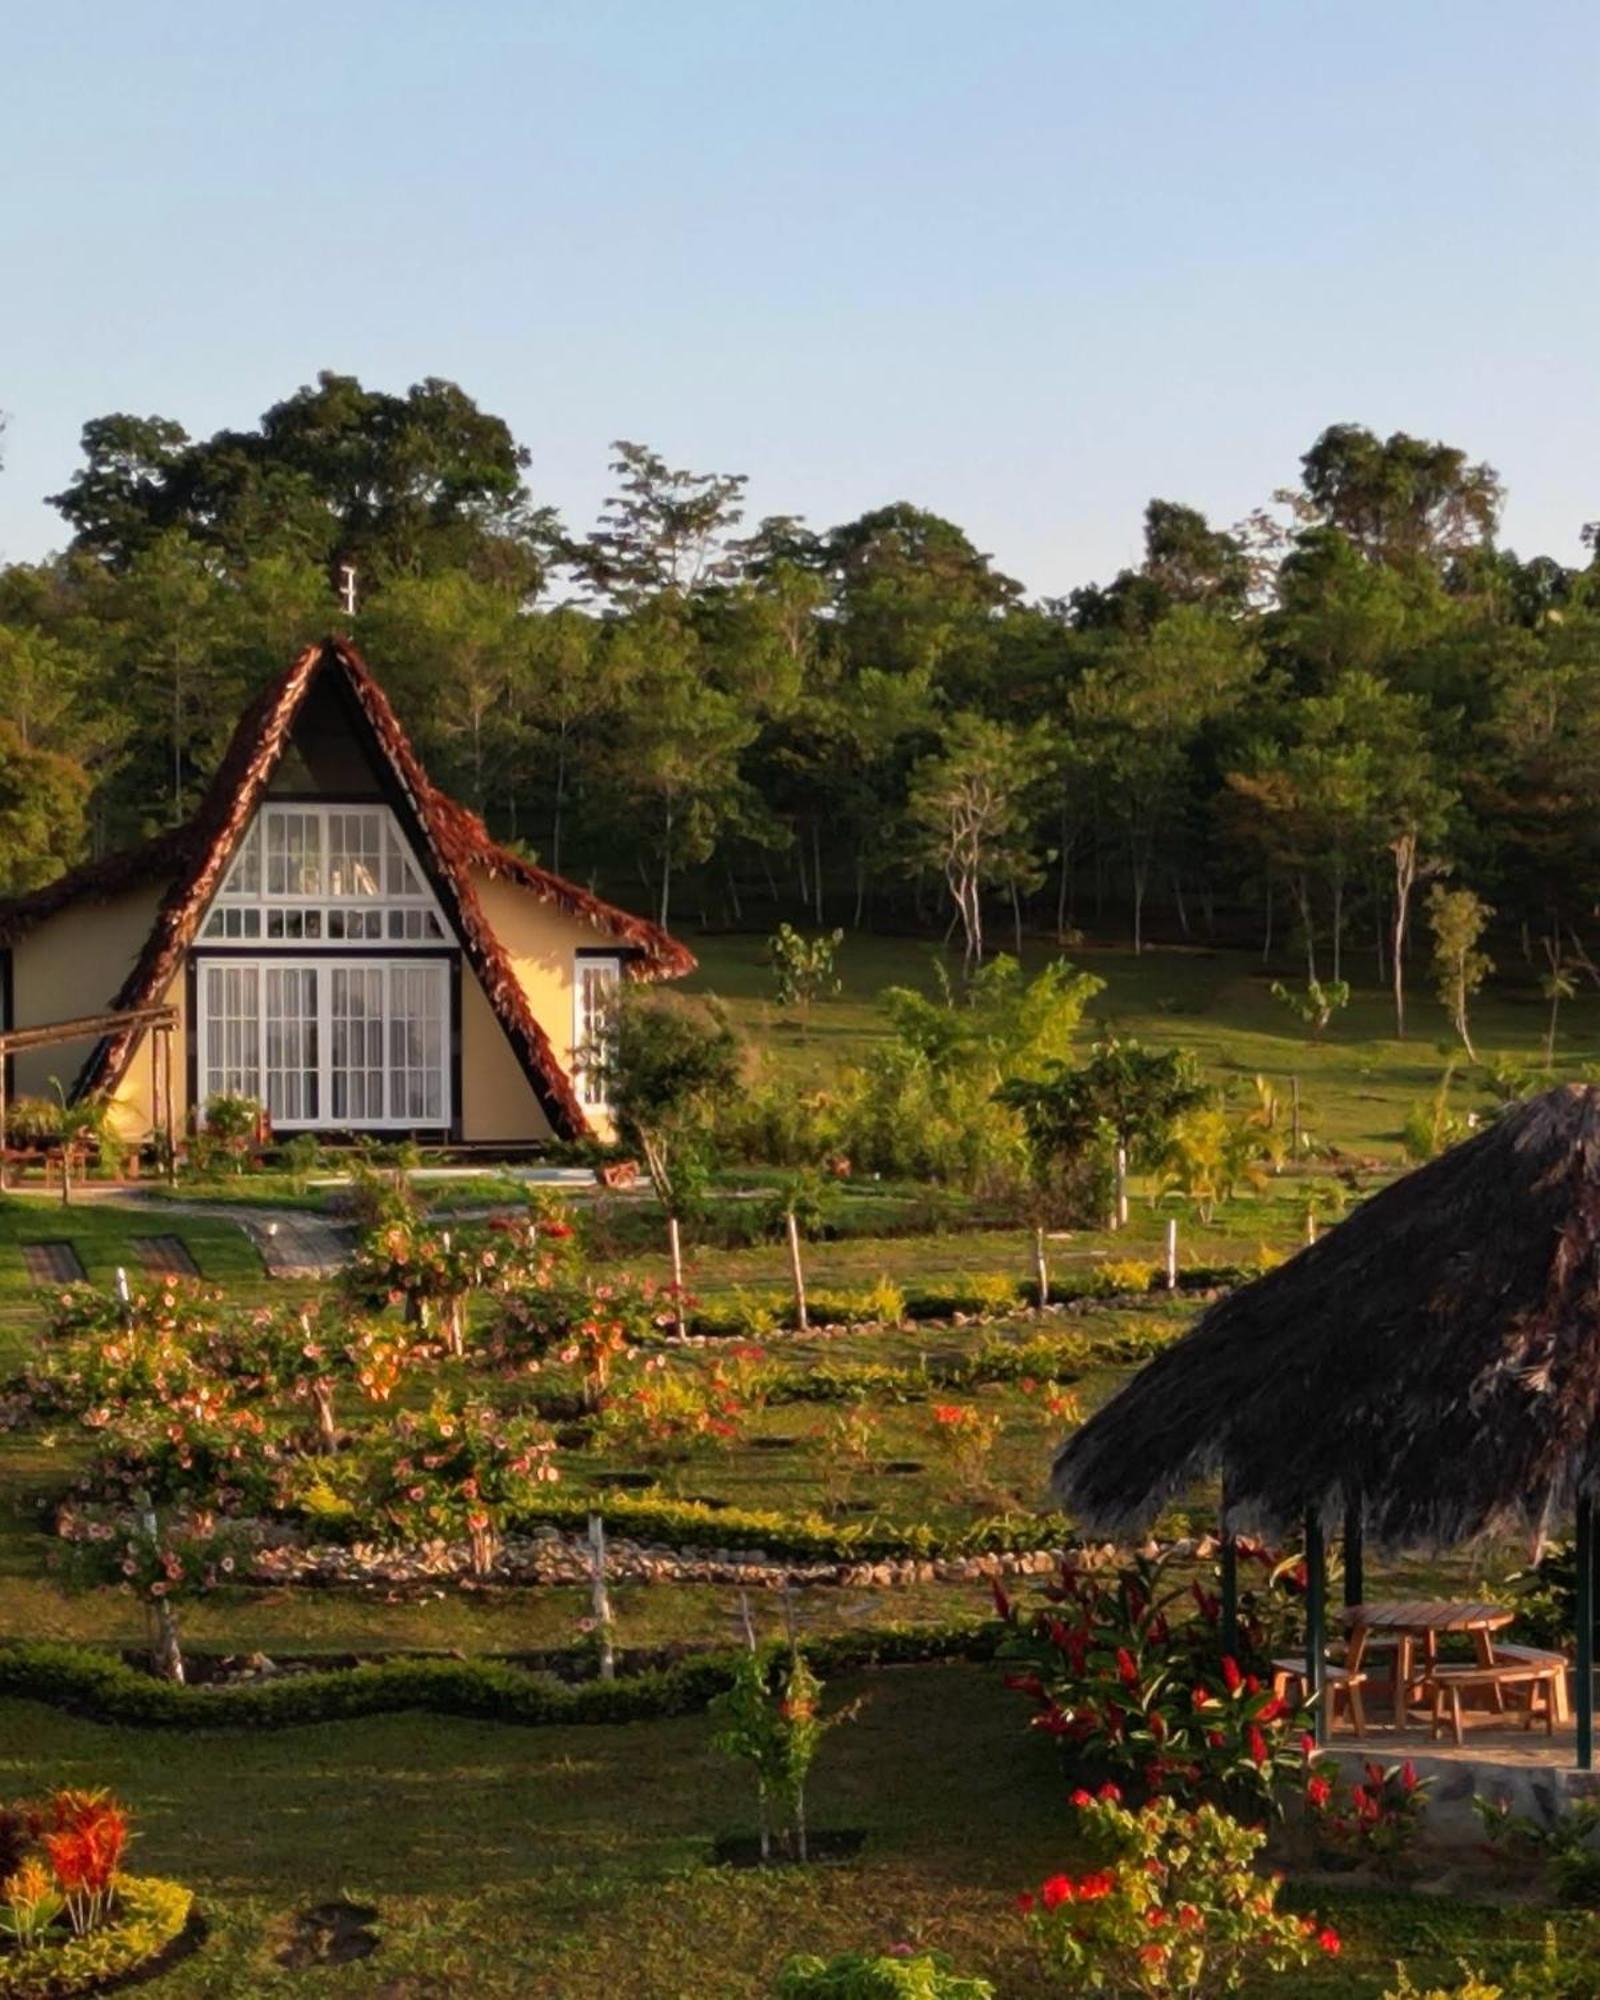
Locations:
(342, 943)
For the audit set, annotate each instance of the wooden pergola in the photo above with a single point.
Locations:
(159, 1022)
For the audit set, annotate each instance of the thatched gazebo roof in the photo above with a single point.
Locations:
(1434, 1359)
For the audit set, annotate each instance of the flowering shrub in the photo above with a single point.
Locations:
(899, 1974)
(778, 1730)
(209, 1455)
(584, 1323)
(1173, 1906)
(100, 1353)
(306, 1354)
(661, 1412)
(1378, 1818)
(848, 1445)
(1055, 1403)
(966, 1437)
(428, 1272)
(457, 1469)
(1126, 1670)
(158, 1556)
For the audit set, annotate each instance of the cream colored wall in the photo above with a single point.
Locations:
(498, 1106)
(75, 963)
(541, 942)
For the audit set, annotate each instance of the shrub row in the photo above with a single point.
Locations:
(691, 1524)
(688, 1524)
(105, 1689)
(151, 1915)
(750, 1315)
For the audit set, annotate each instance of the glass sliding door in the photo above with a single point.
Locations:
(231, 1045)
(293, 1071)
(345, 1044)
(417, 1015)
(355, 1054)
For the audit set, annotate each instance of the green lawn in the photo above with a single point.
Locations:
(572, 1863)
(1358, 1082)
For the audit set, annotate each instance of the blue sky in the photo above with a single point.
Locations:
(1026, 262)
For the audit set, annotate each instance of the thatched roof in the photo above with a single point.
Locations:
(451, 843)
(1437, 1354)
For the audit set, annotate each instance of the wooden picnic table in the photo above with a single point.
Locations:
(1418, 1622)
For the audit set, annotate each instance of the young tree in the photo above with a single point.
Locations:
(803, 968)
(1458, 919)
(666, 1062)
(971, 817)
(1125, 1097)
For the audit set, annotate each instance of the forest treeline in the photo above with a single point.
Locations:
(1280, 729)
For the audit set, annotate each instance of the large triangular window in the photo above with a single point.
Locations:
(336, 874)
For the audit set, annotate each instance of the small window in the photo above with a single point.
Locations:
(294, 854)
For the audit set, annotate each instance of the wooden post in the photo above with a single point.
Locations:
(1172, 1253)
(1122, 1186)
(1316, 1622)
(600, 1598)
(797, 1273)
(1583, 1673)
(1041, 1270)
(169, 1127)
(1311, 1224)
(675, 1245)
(1294, 1126)
(764, 1816)
(1355, 1570)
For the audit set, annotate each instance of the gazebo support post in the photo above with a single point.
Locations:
(1230, 1581)
(1316, 1622)
(1583, 1693)
(1355, 1577)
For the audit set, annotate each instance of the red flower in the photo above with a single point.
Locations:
(1025, 1901)
(1093, 1887)
(1110, 1794)
(1127, 1672)
(1258, 1745)
(1232, 1679)
(1318, 1792)
(1080, 1798)
(1056, 1891)
(1328, 1941)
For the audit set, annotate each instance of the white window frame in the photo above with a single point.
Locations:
(591, 1090)
(209, 1030)
(244, 909)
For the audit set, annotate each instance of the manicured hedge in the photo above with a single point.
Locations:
(150, 1916)
(692, 1525)
(105, 1689)
(687, 1524)
(746, 1315)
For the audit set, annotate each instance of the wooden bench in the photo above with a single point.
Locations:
(1541, 1656)
(1447, 1685)
(1343, 1685)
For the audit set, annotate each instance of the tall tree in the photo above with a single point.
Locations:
(1400, 499)
(665, 531)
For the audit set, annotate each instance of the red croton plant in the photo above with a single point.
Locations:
(1126, 1668)
(58, 1865)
